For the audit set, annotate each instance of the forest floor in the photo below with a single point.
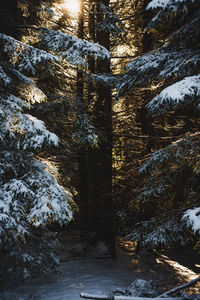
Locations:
(81, 273)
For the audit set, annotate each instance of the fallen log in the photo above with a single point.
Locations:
(101, 297)
(144, 298)
(178, 288)
(95, 297)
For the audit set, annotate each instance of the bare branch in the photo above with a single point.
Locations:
(178, 288)
(146, 137)
(125, 56)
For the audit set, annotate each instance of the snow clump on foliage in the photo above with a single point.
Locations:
(72, 48)
(178, 94)
(192, 217)
(164, 4)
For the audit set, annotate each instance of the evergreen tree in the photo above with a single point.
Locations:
(30, 198)
(171, 73)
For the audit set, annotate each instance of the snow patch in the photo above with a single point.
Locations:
(192, 217)
(142, 288)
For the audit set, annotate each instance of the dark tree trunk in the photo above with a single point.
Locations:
(82, 155)
(147, 36)
(103, 210)
(146, 121)
(91, 96)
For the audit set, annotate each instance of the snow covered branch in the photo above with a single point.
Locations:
(72, 48)
(182, 93)
(167, 4)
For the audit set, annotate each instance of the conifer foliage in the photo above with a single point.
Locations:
(30, 197)
(31, 200)
(171, 73)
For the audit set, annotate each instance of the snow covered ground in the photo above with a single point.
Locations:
(101, 275)
(76, 276)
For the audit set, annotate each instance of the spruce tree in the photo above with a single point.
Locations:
(31, 200)
(171, 74)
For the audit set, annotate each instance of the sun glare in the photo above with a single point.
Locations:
(73, 6)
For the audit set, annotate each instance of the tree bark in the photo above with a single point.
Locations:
(82, 154)
(146, 121)
(103, 202)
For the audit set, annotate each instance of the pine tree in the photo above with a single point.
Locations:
(170, 72)
(31, 200)
(30, 196)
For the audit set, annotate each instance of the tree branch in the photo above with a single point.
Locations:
(131, 136)
(178, 288)
(125, 56)
(23, 26)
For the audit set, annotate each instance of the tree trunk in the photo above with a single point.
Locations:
(82, 154)
(91, 98)
(146, 121)
(103, 211)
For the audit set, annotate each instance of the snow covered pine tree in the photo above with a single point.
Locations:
(171, 70)
(30, 197)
